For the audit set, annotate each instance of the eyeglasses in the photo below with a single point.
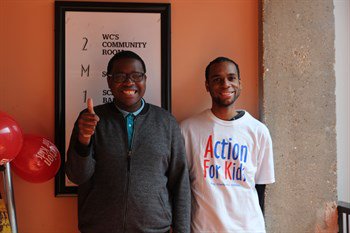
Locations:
(122, 77)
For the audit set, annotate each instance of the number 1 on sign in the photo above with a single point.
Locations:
(85, 95)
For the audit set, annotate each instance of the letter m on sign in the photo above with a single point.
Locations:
(85, 70)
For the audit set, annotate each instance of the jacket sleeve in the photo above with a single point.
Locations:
(80, 164)
(179, 185)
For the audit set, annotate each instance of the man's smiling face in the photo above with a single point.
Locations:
(223, 84)
(127, 94)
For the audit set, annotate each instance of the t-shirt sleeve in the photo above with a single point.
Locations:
(265, 173)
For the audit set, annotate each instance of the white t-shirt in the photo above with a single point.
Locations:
(226, 159)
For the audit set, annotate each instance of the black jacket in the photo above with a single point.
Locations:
(145, 189)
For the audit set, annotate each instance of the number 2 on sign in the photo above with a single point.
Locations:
(86, 41)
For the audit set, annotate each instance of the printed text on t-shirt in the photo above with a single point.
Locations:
(225, 158)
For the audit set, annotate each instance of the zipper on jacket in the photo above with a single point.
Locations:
(127, 190)
(129, 161)
(128, 175)
(130, 150)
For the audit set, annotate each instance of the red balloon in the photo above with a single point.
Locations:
(11, 138)
(38, 161)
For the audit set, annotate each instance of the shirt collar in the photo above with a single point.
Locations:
(125, 113)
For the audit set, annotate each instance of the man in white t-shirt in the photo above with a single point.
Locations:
(229, 154)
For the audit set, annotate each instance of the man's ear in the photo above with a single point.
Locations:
(145, 77)
(206, 85)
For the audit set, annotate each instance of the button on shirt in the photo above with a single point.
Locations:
(129, 119)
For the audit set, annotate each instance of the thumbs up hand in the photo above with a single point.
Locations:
(87, 123)
(90, 106)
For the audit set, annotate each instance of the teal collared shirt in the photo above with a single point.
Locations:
(129, 119)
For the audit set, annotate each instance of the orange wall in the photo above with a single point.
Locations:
(201, 31)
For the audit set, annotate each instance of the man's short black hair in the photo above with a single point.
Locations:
(124, 54)
(218, 60)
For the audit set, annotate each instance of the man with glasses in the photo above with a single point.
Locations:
(128, 158)
(229, 156)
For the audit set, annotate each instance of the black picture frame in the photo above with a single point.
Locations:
(61, 10)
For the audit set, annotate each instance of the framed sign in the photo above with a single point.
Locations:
(87, 35)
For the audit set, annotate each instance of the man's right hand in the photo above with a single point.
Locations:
(87, 123)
